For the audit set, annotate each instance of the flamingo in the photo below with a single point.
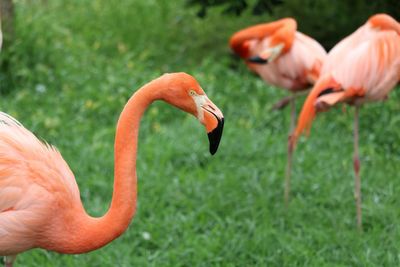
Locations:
(363, 67)
(284, 57)
(40, 205)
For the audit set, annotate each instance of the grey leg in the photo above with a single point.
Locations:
(356, 165)
(289, 152)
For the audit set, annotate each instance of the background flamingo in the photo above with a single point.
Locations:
(283, 57)
(40, 206)
(363, 67)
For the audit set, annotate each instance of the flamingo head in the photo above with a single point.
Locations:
(184, 92)
(244, 50)
(268, 55)
(280, 43)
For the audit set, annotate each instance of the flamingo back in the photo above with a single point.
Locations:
(368, 60)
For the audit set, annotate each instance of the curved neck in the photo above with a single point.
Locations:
(80, 232)
(285, 35)
(259, 32)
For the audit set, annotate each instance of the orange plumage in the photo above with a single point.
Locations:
(40, 204)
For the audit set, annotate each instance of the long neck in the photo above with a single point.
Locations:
(285, 34)
(84, 233)
(308, 111)
(259, 32)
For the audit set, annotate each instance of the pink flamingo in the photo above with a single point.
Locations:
(283, 57)
(40, 205)
(363, 67)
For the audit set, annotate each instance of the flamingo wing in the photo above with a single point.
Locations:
(304, 61)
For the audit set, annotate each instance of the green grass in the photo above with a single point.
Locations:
(75, 63)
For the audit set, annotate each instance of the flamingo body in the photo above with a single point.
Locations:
(372, 66)
(294, 70)
(363, 67)
(35, 183)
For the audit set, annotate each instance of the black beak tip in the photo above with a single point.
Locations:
(214, 137)
(257, 60)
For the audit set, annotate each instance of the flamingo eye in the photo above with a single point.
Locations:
(192, 93)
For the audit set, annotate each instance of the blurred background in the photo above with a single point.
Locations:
(68, 67)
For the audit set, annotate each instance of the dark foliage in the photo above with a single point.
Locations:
(235, 7)
(326, 21)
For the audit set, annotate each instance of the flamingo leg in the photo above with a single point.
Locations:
(9, 260)
(286, 100)
(357, 164)
(289, 151)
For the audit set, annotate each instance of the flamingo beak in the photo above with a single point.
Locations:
(213, 120)
(267, 56)
(258, 60)
(214, 137)
(262, 58)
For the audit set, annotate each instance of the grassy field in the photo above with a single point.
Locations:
(75, 63)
